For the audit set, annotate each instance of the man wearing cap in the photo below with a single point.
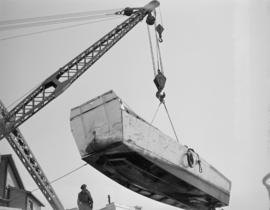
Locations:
(84, 201)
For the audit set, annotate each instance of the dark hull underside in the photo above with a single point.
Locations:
(155, 179)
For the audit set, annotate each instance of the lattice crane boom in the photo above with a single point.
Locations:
(23, 151)
(52, 87)
(58, 82)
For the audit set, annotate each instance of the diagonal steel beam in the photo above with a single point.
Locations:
(24, 153)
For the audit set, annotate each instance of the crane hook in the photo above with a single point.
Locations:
(160, 29)
(160, 81)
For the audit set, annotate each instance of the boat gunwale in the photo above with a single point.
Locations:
(88, 110)
(124, 107)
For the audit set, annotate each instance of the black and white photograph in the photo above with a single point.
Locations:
(135, 105)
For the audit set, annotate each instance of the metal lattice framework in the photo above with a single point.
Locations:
(23, 151)
(65, 76)
(52, 87)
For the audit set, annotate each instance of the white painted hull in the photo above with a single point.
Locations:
(132, 152)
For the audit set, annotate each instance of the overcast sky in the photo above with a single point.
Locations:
(216, 59)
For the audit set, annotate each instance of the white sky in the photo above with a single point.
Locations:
(215, 55)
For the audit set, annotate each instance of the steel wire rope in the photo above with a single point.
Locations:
(53, 181)
(57, 29)
(51, 22)
(63, 176)
(151, 50)
(55, 17)
(159, 56)
(32, 19)
(170, 120)
(160, 64)
(155, 114)
(159, 60)
(160, 15)
(26, 93)
(157, 52)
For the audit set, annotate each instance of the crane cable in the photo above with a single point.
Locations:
(159, 54)
(160, 67)
(50, 22)
(63, 176)
(90, 17)
(152, 121)
(40, 18)
(151, 50)
(159, 60)
(170, 121)
(54, 19)
(57, 29)
(167, 112)
(160, 16)
(53, 181)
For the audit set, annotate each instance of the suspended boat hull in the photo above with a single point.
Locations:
(121, 145)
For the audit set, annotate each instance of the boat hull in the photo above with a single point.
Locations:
(124, 147)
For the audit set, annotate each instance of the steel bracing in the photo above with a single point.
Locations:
(52, 87)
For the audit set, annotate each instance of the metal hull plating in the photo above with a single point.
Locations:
(124, 147)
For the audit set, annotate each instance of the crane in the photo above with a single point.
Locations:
(52, 87)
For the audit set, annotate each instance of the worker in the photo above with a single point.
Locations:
(84, 201)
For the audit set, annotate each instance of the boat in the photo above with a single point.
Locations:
(121, 145)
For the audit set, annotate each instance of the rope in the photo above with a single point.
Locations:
(155, 14)
(151, 50)
(50, 22)
(199, 162)
(170, 120)
(14, 198)
(160, 15)
(159, 53)
(56, 29)
(40, 18)
(61, 177)
(158, 63)
(155, 113)
(191, 161)
(53, 19)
